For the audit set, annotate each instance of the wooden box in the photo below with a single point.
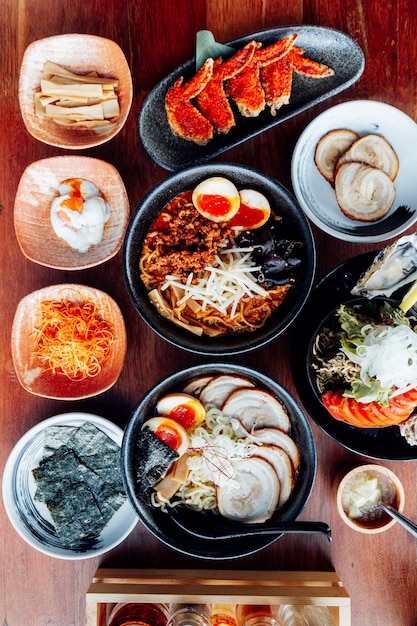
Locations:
(110, 586)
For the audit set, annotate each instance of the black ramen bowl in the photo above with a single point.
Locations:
(161, 524)
(295, 228)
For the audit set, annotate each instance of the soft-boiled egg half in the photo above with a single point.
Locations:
(79, 213)
(254, 210)
(183, 408)
(170, 432)
(216, 199)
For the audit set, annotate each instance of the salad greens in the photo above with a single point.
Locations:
(370, 356)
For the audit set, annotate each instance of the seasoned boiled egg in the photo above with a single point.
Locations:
(254, 210)
(183, 408)
(79, 214)
(216, 199)
(170, 432)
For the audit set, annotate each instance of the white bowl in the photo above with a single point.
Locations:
(30, 518)
(317, 197)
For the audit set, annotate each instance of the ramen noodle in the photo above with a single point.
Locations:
(197, 277)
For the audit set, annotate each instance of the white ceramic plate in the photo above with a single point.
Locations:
(316, 196)
(30, 518)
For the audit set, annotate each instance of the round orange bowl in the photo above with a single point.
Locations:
(33, 364)
(37, 189)
(355, 492)
(80, 54)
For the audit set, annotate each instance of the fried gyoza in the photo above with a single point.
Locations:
(183, 118)
(246, 88)
(212, 101)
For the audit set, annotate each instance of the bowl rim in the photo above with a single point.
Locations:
(181, 541)
(26, 99)
(144, 216)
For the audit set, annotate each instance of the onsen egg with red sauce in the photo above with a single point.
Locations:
(216, 199)
(254, 210)
(183, 408)
(170, 432)
(79, 214)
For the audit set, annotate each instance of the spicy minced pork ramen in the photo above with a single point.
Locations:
(202, 275)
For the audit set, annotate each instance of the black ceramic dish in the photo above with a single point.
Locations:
(160, 524)
(334, 289)
(326, 45)
(295, 225)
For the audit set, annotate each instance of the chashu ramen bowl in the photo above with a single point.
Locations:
(68, 342)
(222, 381)
(289, 258)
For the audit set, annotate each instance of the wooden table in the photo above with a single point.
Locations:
(379, 572)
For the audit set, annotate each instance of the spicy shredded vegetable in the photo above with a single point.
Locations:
(73, 339)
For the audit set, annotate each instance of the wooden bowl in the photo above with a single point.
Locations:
(31, 371)
(81, 54)
(37, 189)
(344, 482)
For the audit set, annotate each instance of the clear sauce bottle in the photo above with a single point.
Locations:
(190, 615)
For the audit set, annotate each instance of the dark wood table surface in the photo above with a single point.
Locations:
(379, 571)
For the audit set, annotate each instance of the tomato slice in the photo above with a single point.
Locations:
(369, 414)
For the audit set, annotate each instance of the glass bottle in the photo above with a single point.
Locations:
(138, 614)
(190, 615)
(317, 616)
(255, 615)
(223, 615)
(289, 615)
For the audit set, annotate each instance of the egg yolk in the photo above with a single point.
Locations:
(247, 216)
(184, 415)
(214, 204)
(168, 436)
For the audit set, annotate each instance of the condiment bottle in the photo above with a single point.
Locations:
(223, 615)
(289, 615)
(317, 616)
(255, 615)
(138, 614)
(190, 615)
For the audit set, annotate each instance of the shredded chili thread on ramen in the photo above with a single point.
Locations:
(73, 339)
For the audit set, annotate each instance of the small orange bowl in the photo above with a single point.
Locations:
(37, 189)
(34, 374)
(81, 54)
(356, 482)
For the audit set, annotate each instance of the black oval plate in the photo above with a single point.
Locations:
(326, 45)
(333, 289)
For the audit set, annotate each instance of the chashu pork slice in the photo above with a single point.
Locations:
(373, 150)
(219, 388)
(277, 437)
(283, 467)
(257, 408)
(330, 148)
(252, 495)
(363, 193)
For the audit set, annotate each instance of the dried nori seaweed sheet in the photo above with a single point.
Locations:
(154, 457)
(71, 481)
